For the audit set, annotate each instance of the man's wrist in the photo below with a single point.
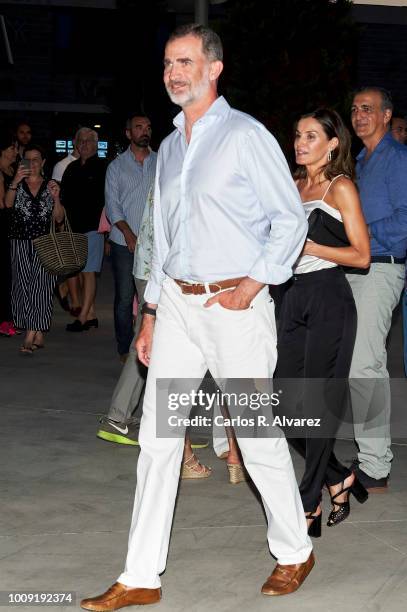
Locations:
(122, 226)
(147, 310)
(248, 288)
(127, 230)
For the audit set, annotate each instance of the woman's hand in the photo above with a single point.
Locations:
(54, 190)
(310, 248)
(9, 197)
(22, 173)
(58, 211)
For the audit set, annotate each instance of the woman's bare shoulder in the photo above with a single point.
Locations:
(342, 186)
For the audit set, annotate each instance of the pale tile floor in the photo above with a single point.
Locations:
(66, 499)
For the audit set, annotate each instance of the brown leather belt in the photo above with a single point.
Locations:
(200, 288)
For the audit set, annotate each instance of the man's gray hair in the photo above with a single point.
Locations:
(86, 130)
(387, 102)
(211, 43)
(132, 116)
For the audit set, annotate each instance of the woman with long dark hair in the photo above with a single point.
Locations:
(8, 154)
(317, 324)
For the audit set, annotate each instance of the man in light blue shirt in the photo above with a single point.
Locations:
(128, 181)
(381, 172)
(227, 221)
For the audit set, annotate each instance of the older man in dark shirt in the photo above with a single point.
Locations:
(82, 191)
(382, 180)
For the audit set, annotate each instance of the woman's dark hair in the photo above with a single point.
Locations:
(333, 126)
(6, 140)
(35, 147)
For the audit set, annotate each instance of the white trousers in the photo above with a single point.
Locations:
(189, 339)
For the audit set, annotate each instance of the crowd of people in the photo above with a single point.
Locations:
(196, 235)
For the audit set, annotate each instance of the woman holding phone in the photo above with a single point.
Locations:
(317, 324)
(33, 203)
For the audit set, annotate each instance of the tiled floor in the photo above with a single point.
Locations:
(66, 499)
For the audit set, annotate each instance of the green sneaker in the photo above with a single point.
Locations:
(120, 433)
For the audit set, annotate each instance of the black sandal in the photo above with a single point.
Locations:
(357, 490)
(315, 528)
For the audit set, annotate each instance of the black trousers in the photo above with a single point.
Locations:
(316, 334)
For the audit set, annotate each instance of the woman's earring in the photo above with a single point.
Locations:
(329, 155)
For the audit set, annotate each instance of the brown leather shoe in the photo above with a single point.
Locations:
(119, 596)
(287, 578)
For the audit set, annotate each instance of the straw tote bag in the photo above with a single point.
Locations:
(63, 252)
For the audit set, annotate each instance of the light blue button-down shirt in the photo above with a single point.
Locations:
(128, 183)
(225, 205)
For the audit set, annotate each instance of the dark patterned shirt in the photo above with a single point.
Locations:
(31, 215)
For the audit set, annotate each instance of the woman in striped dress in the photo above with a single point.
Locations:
(34, 203)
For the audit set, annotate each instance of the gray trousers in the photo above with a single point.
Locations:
(376, 295)
(129, 391)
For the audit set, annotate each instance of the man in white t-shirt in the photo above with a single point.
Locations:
(62, 288)
(62, 165)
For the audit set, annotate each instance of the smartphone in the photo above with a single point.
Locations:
(26, 164)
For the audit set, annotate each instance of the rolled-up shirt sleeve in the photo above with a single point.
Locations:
(160, 248)
(267, 170)
(114, 210)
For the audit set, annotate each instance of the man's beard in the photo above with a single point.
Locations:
(181, 99)
(192, 94)
(143, 142)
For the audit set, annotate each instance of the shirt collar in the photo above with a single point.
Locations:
(130, 154)
(219, 108)
(382, 144)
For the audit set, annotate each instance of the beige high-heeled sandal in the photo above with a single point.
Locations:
(223, 455)
(237, 473)
(191, 471)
